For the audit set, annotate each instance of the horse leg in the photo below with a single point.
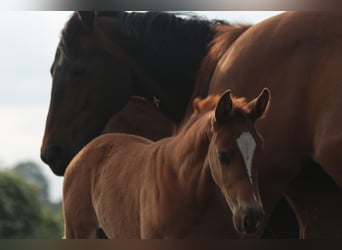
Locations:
(328, 154)
(316, 199)
(282, 219)
(299, 213)
(293, 198)
(147, 228)
(299, 196)
(283, 222)
(80, 220)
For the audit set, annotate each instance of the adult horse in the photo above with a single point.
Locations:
(178, 187)
(298, 56)
(105, 57)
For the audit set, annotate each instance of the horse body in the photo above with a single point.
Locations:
(298, 57)
(178, 187)
(130, 201)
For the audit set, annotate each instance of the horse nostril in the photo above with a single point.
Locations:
(57, 157)
(252, 221)
(52, 154)
(248, 222)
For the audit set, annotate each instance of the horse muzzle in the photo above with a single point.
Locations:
(57, 157)
(248, 221)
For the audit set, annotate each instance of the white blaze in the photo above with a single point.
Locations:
(246, 144)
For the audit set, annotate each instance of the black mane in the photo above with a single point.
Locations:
(171, 50)
(159, 29)
(155, 29)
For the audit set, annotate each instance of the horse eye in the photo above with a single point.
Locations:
(224, 158)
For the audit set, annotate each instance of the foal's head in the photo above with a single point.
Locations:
(234, 154)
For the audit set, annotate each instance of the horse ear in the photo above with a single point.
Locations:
(224, 107)
(195, 105)
(259, 106)
(87, 17)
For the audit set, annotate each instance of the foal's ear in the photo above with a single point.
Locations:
(259, 106)
(224, 107)
(195, 105)
(87, 17)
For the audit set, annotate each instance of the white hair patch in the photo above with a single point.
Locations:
(247, 144)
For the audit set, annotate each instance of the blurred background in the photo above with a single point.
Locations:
(30, 194)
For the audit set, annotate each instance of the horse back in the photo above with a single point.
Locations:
(98, 153)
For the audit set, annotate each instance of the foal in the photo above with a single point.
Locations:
(178, 187)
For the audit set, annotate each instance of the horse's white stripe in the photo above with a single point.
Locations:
(246, 144)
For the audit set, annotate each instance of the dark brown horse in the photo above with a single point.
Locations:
(105, 57)
(179, 187)
(298, 56)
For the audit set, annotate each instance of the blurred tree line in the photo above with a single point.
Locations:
(25, 208)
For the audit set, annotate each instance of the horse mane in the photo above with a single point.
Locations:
(161, 30)
(202, 106)
(74, 27)
(71, 30)
(225, 35)
(156, 29)
(203, 40)
(164, 31)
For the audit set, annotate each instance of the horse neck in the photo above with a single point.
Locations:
(168, 52)
(225, 36)
(190, 147)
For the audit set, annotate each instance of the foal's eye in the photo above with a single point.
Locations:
(224, 157)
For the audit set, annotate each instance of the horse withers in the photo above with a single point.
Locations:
(193, 184)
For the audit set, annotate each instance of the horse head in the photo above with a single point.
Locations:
(235, 152)
(84, 71)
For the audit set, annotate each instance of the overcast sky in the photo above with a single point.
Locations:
(27, 47)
